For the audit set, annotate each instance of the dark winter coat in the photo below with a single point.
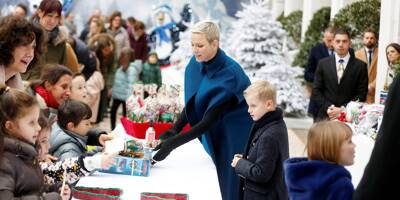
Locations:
(20, 176)
(382, 171)
(85, 57)
(208, 85)
(261, 167)
(317, 180)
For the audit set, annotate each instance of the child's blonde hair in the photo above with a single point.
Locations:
(325, 139)
(263, 89)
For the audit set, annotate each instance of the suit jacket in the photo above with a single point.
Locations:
(362, 55)
(353, 85)
(318, 52)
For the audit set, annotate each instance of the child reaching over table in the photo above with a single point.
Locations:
(73, 131)
(20, 176)
(76, 167)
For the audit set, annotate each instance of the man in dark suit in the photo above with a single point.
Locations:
(318, 52)
(339, 79)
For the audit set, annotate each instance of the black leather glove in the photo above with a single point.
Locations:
(167, 134)
(164, 149)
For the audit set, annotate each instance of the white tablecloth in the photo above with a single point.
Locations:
(364, 146)
(188, 169)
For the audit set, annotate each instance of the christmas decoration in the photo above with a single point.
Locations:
(362, 118)
(165, 34)
(257, 43)
(162, 196)
(94, 193)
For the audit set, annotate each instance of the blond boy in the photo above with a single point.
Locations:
(261, 165)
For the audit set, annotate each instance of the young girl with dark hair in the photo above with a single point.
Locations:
(20, 175)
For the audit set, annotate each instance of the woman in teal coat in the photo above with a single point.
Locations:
(214, 107)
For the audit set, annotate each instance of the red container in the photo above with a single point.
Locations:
(138, 130)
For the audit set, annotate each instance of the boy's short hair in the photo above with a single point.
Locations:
(209, 28)
(73, 111)
(325, 139)
(263, 89)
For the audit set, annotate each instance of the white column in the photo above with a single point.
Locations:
(277, 8)
(389, 31)
(336, 5)
(291, 6)
(309, 8)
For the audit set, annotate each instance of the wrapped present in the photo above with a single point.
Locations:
(90, 193)
(138, 130)
(362, 118)
(130, 166)
(162, 196)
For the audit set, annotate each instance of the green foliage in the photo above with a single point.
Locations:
(292, 24)
(314, 33)
(357, 17)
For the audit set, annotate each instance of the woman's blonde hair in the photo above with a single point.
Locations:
(209, 28)
(325, 140)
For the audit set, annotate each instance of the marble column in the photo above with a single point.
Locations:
(336, 5)
(389, 31)
(309, 8)
(291, 6)
(277, 8)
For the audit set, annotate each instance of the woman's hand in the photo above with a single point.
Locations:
(164, 149)
(167, 134)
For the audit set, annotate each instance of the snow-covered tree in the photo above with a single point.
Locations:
(256, 42)
(290, 93)
(256, 37)
(181, 56)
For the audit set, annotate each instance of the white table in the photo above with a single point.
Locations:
(188, 169)
(364, 146)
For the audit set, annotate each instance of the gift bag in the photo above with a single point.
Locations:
(94, 193)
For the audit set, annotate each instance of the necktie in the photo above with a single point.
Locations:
(369, 57)
(331, 52)
(340, 69)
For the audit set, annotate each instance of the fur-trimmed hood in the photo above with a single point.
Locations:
(62, 35)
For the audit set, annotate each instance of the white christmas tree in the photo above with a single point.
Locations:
(181, 56)
(256, 38)
(256, 42)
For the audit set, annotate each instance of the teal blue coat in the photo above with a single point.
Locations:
(208, 85)
(124, 80)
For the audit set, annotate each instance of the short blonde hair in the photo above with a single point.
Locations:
(209, 28)
(263, 89)
(325, 139)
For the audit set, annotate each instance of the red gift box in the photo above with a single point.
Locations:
(162, 196)
(89, 193)
(138, 130)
